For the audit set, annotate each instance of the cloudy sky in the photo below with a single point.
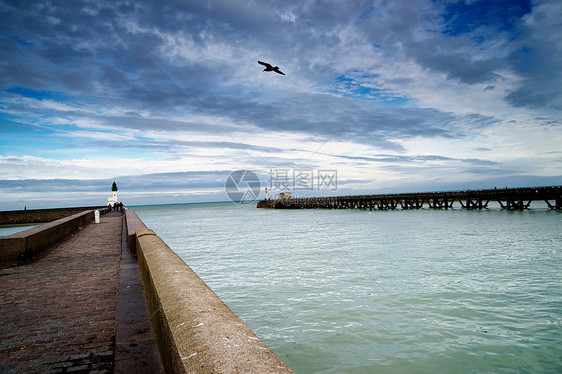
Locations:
(167, 98)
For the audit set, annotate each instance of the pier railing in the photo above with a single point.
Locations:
(508, 198)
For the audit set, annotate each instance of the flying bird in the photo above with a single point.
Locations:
(268, 67)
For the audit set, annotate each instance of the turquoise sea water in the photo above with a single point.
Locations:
(6, 230)
(351, 291)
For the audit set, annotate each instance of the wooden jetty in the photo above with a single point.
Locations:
(508, 198)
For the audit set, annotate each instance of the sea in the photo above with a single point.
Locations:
(359, 291)
(9, 229)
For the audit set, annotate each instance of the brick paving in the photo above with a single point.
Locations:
(59, 313)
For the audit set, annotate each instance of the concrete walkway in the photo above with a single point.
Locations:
(59, 314)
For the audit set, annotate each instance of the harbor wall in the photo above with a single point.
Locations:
(16, 217)
(22, 246)
(133, 223)
(196, 331)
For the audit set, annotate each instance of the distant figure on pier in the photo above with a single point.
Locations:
(269, 67)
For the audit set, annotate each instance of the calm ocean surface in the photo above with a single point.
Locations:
(350, 291)
(12, 229)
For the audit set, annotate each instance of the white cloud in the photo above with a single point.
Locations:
(398, 79)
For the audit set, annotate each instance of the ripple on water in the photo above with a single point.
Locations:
(351, 292)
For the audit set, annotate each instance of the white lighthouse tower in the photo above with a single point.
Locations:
(111, 200)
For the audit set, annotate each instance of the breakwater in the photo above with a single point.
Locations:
(508, 198)
(196, 331)
(16, 217)
(20, 247)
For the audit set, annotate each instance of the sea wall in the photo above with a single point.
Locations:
(196, 331)
(16, 217)
(133, 223)
(23, 245)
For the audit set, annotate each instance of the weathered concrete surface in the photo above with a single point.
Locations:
(58, 314)
(23, 245)
(40, 215)
(197, 332)
(133, 223)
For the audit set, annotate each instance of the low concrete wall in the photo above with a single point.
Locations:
(21, 246)
(16, 217)
(133, 223)
(197, 332)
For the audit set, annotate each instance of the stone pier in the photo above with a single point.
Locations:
(81, 307)
(59, 313)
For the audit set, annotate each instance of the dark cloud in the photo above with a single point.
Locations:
(328, 118)
(112, 76)
(55, 185)
(137, 70)
(456, 65)
(71, 44)
(403, 24)
(535, 93)
(175, 145)
(158, 182)
(400, 159)
(537, 59)
(464, 17)
(100, 46)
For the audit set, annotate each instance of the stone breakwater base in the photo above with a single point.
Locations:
(196, 331)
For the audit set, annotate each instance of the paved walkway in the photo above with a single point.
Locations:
(59, 313)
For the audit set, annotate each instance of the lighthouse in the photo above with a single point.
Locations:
(111, 200)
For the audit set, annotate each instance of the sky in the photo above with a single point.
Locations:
(167, 98)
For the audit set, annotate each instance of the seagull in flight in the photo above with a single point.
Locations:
(268, 67)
